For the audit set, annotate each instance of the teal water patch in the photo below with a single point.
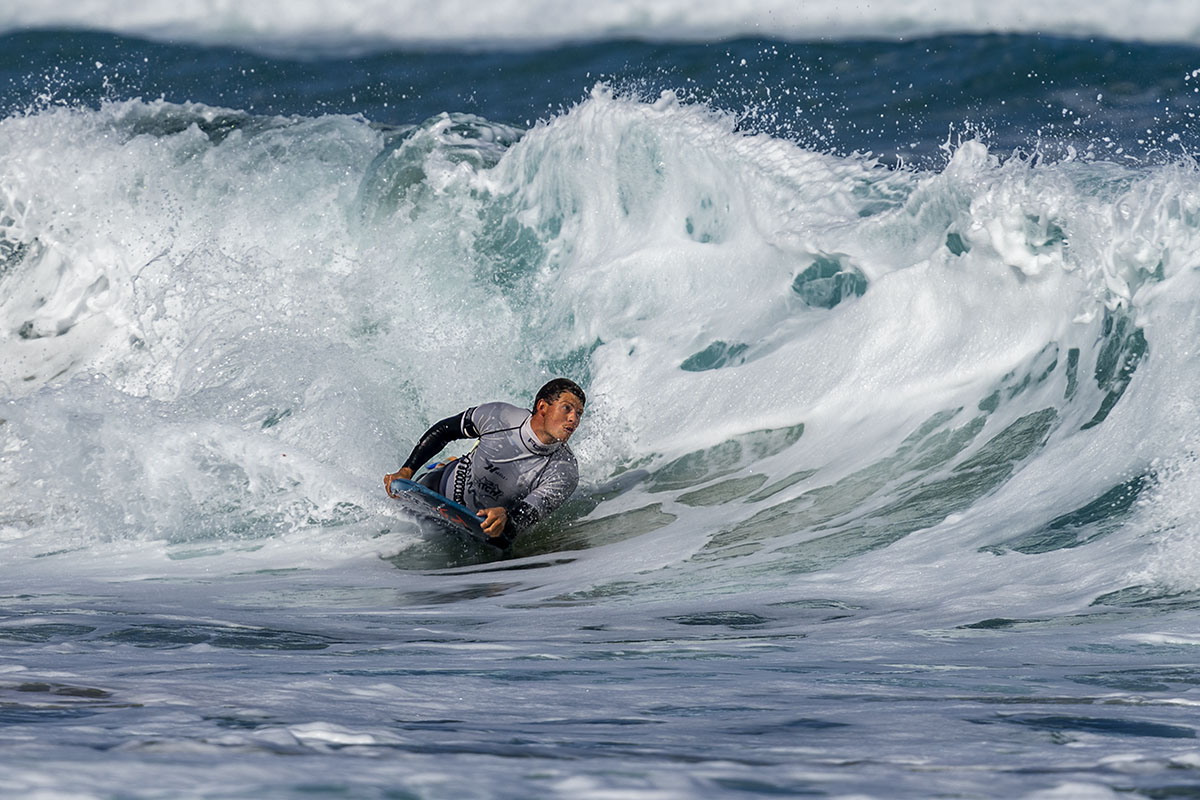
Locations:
(1085, 524)
(1155, 598)
(829, 280)
(1072, 373)
(723, 492)
(716, 355)
(274, 417)
(781, 484)
(1039, 369)
(956, 245)
(1123, 348)
(723, 459)
(929, 445)
(923, 501)
(979, 474)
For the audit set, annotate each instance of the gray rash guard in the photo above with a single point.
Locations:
(509, 467)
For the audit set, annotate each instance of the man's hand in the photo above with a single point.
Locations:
(493, 520)
(404, 474)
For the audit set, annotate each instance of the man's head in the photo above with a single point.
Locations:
(557, 410)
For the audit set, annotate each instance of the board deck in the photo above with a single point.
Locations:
(430, 506)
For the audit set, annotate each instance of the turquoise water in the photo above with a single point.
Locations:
(888, 471)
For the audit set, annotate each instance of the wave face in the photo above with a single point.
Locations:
(872, 446)
(367, 25)
(801, 354)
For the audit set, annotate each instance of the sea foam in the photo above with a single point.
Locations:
(318, 25)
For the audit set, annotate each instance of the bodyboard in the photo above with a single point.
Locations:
(429, 506)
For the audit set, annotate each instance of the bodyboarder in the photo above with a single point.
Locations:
(520, 470)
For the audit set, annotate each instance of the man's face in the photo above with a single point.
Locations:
(561, 416)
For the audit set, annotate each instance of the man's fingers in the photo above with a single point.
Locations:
(493, 520)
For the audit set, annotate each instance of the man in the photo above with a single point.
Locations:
(521, 469)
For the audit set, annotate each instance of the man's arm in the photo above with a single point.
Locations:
(431, 443)
(557, 484)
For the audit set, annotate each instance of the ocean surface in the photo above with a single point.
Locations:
(888, 315)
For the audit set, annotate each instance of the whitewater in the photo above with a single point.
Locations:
(888, 471)
(364, 25)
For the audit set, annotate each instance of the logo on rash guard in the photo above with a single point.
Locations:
(488, 488)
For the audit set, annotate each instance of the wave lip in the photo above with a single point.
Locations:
(365, 25)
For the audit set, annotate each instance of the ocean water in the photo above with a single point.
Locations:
(887, 313)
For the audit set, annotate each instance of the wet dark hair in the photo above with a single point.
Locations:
(554, 388)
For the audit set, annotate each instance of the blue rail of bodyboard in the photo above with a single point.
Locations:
(453, 512)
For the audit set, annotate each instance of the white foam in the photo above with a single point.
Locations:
(369, 24)
(1166, 517)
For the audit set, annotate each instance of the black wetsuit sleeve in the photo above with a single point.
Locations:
(521, 517)
(441, 434)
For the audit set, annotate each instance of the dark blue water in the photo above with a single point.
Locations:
(899, 100)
